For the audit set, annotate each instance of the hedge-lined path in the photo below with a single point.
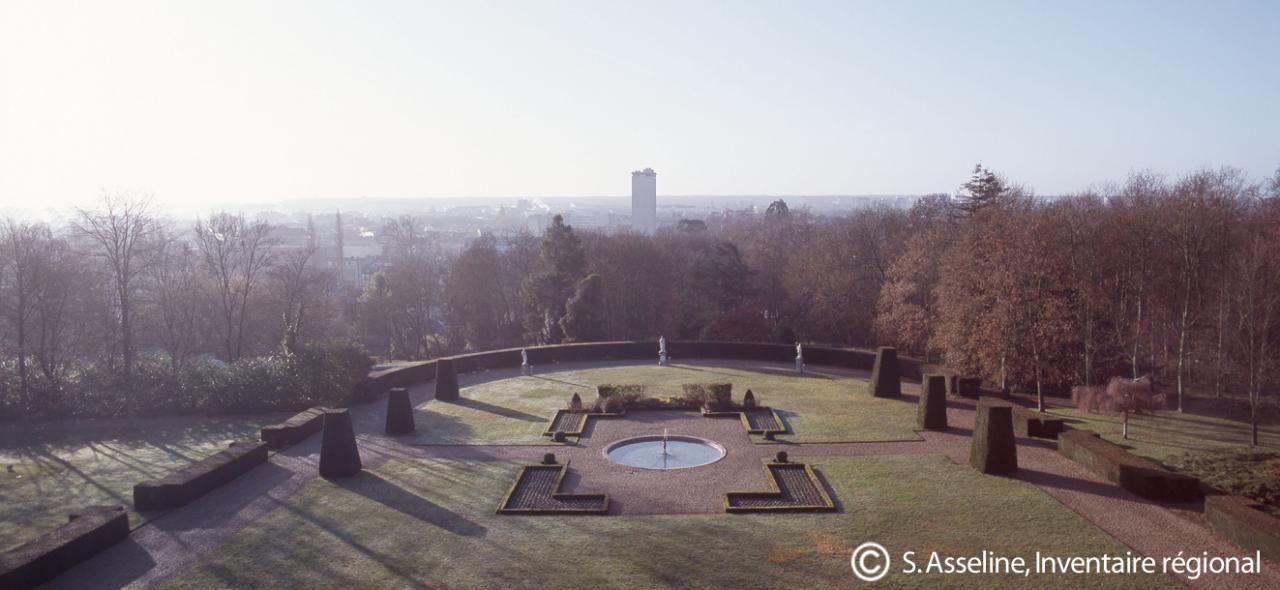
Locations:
(169, 544)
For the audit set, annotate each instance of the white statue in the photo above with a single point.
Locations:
(799, 359)
(799, 350)
(663, 361)
(525, 367)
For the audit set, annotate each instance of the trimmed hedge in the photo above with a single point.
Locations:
(969, 386)
(1028, 422)
(88, 533)
(931, 410)
(1243, 522)
(184, 486)
(1140, 476)
(629, 390)
(994, 449)
(295, 429)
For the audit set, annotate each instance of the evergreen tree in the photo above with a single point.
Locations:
(583, 319)
(984, 188)
(546, 292)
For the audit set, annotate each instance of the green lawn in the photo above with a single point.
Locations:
(53, 469)
(818, 407)
(1165, 435)
(431, 523)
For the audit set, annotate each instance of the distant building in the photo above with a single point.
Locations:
(644, 200)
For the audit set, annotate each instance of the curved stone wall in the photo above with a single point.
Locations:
(406, 374)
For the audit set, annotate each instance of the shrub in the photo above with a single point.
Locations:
(716, 397)
(627, 391)
(324, 373)
(610, 405)
(575, 403)
(549, 459)
(781, 457)
(749, 400)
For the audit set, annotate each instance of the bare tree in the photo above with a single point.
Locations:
(121, 230)
(173, 292)
(24, 248)
(236, 253)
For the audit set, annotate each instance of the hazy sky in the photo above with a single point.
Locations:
(225, 101)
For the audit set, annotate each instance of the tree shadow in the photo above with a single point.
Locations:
(376, 488)
(781, 372)
(562, 382)
(434, 427)
(499, 410)
(223, 503)
(1053, 480)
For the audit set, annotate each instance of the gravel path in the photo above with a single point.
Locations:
(173, 542)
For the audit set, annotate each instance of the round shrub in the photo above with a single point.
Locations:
(549, 458)
(781, 457)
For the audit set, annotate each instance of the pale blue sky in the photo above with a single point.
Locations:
(257, 101)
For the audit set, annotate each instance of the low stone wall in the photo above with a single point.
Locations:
(1133, 473)
(293, 430)
(199, 478)
(1241, 521)
(88, 533)
(406, 374)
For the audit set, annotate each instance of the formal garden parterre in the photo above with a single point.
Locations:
(472, 476)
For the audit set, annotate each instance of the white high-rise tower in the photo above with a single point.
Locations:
(644, 200)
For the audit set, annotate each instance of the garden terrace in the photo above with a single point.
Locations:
(425, 509)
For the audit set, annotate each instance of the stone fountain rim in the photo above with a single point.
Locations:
(670, 437)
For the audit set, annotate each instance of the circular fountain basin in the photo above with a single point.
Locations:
(682, 452)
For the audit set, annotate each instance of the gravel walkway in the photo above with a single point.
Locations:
(173, 542)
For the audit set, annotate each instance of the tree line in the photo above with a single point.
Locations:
(1172, 277)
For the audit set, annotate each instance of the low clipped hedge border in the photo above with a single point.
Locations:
(406, 374)
(775, 491)
(505, 506)
(1133, 473)
(1240, 520)
(88, 533)
(295, 429)
(1028, 422)
(184, 486)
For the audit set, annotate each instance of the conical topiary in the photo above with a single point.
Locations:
(575, 402)
(931, 410)
(399, 412)
(339, 456)
(885, 380)
(994, 449)
(446, 381)
(749, 400)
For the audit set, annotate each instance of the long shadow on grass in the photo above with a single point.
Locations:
(831, 492)
(499, 410)
(1054, 480)
(387, 493)
(562, 382)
